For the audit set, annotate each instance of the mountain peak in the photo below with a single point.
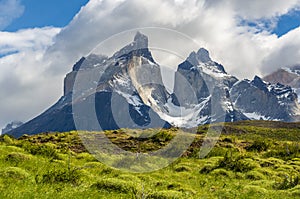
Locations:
(200, 84)
(199, 58)
(139, 47)
(258, 80)
(259, 83)
(203, 55)
(11, 126)
(141, 40)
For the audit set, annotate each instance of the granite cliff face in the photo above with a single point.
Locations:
(126, 90)
(210, 81)
(257, 100)
(119, 79)
(286, 76)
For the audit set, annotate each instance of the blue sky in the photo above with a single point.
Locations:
(40, 13)
(280, 25)
(287, 22)
(59, 13)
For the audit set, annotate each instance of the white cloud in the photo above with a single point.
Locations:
(26, 89)
(263, 8)
(28, 39)
(285, 52)
(214, 24)
(9, 10)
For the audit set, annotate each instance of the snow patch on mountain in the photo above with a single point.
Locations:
(185, 117)
(256, 116)
(203, 93)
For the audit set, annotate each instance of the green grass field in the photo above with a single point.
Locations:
(250, 160)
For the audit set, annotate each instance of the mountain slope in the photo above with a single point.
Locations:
(261, 100)
(286, 76)
(114, 84)
(11, 126)
(126, 91)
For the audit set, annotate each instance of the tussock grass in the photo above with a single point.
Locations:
(250, 160)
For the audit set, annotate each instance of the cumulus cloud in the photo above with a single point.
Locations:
(28, 39)
(215, 24)
(26, 89)
(285, 52)
(38, 70)
(10, 10)
(263, 8)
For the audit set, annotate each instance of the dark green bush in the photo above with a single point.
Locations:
(207, 169)
(115, 185)
(173, 186)
(295, 191)
(107, 171)
(221, 172)
(60, 176)
(285, 152)
(259, 146)
(218, 151)
(7, 139)
(41, 149)
(14, 173)
(228, 139)
(170, 194)
(162, 136)
(16, 158)
(236, 162)
(255, 175)
(182, 169)
(288, 182)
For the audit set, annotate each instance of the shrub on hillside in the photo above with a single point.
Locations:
(221, 151)
(7, 139)
(182, 169)
(255, 190)
(60, 176)
(162, 136)
(295, 191)
(255, 175)
(238, 163)
(115, 185)
(41, 149)
(207, 168)
(288, 182)
(16, 158)
(168, 194)
(14, 173)
(221, 172)
(285, 152)
(259, 146)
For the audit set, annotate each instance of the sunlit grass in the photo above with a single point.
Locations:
(247, 162)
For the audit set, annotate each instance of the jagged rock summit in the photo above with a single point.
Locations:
(127, 91)
(139, 47)
(202, 56)
(141, 40)
(11, 126)
(287, 76)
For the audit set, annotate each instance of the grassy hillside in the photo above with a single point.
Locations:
(251, 160)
